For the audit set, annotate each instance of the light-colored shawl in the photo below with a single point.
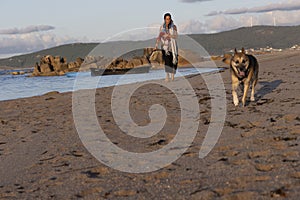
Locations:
(169, 44)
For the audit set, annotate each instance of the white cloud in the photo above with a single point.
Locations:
(31, 42)
(138, 34)
(28, 29)
(223, 22)
(192, 26)
(291, 5)
(32, 38)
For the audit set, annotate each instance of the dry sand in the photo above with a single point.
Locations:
(256, 157)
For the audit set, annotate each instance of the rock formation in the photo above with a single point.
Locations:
(55, 66)
(147, 56)
(185, 57)
(117, 63)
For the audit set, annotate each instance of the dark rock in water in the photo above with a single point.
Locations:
(55, 66)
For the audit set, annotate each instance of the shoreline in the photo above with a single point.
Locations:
(62, 90)
(256, 156)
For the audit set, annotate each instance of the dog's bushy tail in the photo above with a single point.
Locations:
(227, 58)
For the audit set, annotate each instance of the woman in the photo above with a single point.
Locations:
(167, 36)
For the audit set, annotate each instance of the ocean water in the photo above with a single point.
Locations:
(21, 86)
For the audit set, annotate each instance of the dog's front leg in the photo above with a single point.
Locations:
(235, 84)
(246, 88)
(253, 90)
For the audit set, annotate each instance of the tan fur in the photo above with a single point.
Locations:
(227, 58)
(244, 70)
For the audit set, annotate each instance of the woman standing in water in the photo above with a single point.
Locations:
(167, 36)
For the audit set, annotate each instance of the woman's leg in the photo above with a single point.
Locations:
(167, 77)
(174, 68)
(172, 76)
(168, 64)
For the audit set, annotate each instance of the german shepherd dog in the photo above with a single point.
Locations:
(244, 72)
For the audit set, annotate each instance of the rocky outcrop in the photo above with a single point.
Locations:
(18, 73)
(146, 56)
(185, 58)
(117, 63)
(55, 66)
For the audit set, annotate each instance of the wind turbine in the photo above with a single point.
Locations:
(274, 19)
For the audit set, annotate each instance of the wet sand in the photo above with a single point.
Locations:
(256, 157)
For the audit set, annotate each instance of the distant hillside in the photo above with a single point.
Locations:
(70, 51)
(215, 44)
(250, 37)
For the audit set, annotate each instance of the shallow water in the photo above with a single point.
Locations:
(14, 87)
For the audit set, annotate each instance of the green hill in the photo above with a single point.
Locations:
(250, 37)
(216, 44)
(70, 51)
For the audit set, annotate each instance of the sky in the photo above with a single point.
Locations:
(32, 25)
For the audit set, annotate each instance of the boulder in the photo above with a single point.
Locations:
(88, 66)
(129, 65)
(185, 57)
(55, 66)
(46, 67)
(145, 61)
(50, 74)
(44, 59)
(79, 61)
(148, 51)
(72, 65)
(61, 73)
(122, 64)
(64, 67)
(136, 62)
(116, 61)
(18, 73)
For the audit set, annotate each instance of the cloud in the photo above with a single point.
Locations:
(193, 1)
(291, 5)
(30, 42)
(192, 26)
(221, 23)
(28, 29)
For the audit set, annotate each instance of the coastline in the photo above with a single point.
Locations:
(21, 86)
(257, 155)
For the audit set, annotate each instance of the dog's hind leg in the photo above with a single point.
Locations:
(252, 98)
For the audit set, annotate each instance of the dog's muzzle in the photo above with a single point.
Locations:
(242, 71)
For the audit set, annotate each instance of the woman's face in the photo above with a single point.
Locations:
(168, 20)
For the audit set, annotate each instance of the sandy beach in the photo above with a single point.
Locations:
(256, 156)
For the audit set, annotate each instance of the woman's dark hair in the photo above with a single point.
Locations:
(168, 15)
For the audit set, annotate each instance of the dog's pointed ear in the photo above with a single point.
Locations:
(243, 50)
(235, 51)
